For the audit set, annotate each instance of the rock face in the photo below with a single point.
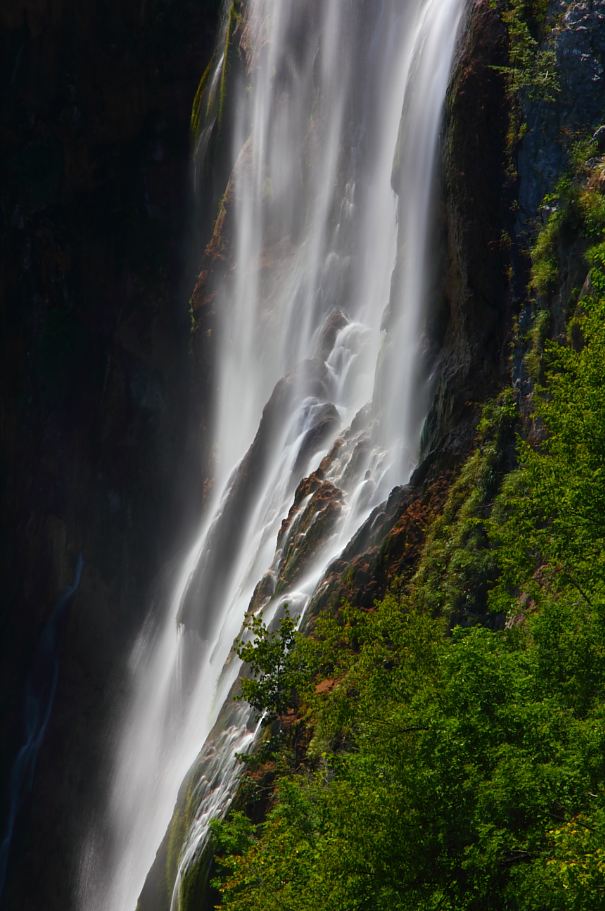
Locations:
(574, 35)
(95, 456)
(472, 321)
(386, 548)
(575, 32)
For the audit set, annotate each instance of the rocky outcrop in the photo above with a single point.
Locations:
(385, 550)
(575, 34)
(309, 532)
(94, 376)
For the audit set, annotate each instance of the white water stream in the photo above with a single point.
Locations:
(322, 316)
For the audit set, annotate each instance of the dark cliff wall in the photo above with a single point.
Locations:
(477, 198)
(96, 456)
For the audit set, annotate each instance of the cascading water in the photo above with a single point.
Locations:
(321, 374)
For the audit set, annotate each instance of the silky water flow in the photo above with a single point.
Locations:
(321, 357)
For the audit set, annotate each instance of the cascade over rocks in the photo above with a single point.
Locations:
(472, 315)
(212, 575)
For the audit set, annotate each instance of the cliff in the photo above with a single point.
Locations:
(97, 455)
(433, 735)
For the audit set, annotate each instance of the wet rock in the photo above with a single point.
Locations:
(472, 313)
(205, 595)
(264, 591)
(335, 321)
(309, 532)
(325, 426)
(387, 547)
(599, 139)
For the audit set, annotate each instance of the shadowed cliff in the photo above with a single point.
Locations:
(96, 259)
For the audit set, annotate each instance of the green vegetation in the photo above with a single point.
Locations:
(466, 774)
(531, 72)
(458, 566)
(536, 338)
(532, 69)
(551, 511)
(268, 658)
(574, 214)
(444, 768)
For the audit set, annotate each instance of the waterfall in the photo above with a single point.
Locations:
(322, 378)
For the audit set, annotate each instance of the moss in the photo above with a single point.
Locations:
(576, 210)
(177, 832)
(457, 566)
(545, 267)
(196, 109)
(180, 826)
(232, 21)
(194, 893)
(531, 72)
(536, 338)
(596, 260)
(206, 100)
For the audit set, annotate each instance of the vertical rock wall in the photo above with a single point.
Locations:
(96, 458)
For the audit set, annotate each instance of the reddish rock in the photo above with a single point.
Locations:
(326, 686)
